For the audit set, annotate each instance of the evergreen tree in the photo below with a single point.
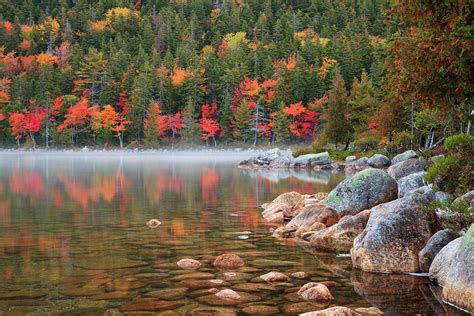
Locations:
(281, 127)
(191, 132)
(338, 129)
(243, 122)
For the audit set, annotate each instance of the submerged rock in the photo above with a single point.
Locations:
(407, 167)
(336, 310)
(301, 307)
(189, 264)
(315, 292)
(260, 310)
(394, 235)
(299, 275)
(340, 237)
(275, 277)
(228, 294)
(228, 261)
(434, 246)
(362, 191)
(153, 223)
(227, 297)
(149, 306)
(459, 285)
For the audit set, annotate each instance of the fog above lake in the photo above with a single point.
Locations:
(224, 155)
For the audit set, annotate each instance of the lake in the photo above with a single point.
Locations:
(74, 240)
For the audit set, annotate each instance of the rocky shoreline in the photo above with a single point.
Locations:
(377, 217)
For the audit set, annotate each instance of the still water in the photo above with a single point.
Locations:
(73, 239)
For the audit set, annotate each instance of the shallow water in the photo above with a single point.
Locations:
(73, 238)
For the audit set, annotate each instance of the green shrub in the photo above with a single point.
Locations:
(399, 143)
(303, 151)
(461, 144)
(457, 215)
(455, 171)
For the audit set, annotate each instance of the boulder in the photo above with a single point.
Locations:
(274, 276)
(459, 285)
(433, 246)
(407, 167)
(358, 164)
(442, 261)
(272, 158)
(228, 294)
(313, 213)
(434, 158)
(312, 160)
(426, 191)
(362, 191)
(340, 237)
(411, 182)
(292, 199)
(315, 292)
(189, 264)
(404, 156)
(274, 209)
(306, 231)
(281, 162)
(228, 261)
(442, 197)
(467, 198)
(379, 161)
(351, 159)
(336, 310)
(394, 235)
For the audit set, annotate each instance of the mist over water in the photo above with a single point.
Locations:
(73, 234)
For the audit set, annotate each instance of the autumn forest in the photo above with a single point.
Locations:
(155, 73)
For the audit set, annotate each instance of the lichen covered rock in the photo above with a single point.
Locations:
(411, 182)
(362, 191)
(433, 246)
(407, 167)
(379, 161)
(394, 235)
(404, 156)
(459, 286)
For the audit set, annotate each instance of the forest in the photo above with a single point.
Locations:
(363, 74)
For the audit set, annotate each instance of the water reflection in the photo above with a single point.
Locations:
(73, 234)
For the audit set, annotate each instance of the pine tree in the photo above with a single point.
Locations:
(337, 128)
(141, 98)
(243, 123)
(361, 102)
(281, 127)
(190, 133)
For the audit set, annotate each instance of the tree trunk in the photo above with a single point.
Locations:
(256, 124)
(33, 139)
(47, 133)
(121, 141)
(214, 139)
(412, 123)
(347, 144)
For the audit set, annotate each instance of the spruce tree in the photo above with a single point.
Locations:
(338, 129)
(243, 123)
(190, 135)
